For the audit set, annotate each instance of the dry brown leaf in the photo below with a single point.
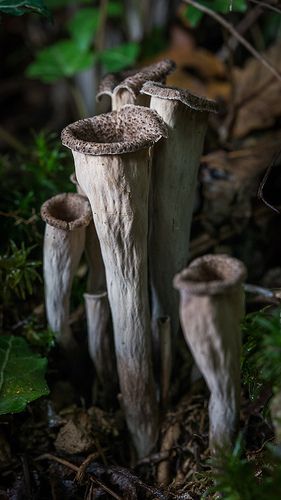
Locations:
(198, 70)
(258, 94)
(231, 179)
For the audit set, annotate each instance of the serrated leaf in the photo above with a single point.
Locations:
(63, 59)
(119, 58)
(83, 26)
(21, 375)
(20, 7)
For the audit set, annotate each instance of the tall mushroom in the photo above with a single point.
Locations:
(211, 308)
(112, 155)
(66, 215)
(100, 339)
(124, 88)
(174, 179)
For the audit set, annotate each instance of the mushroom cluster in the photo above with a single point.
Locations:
(136, 174)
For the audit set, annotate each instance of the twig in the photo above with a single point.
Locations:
(276, 160)
(237, 35)
(74, 468)
(266, 6)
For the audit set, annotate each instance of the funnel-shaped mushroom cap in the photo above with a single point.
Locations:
(211, 275)
(192, 101)
(128, 130)
(67, 211)
(133, 81)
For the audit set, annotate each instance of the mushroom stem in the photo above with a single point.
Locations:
(112, 161)
(100, 341)
(164, 332)
(174, 179)
(211, 308)
(67, 216)
(96, 281)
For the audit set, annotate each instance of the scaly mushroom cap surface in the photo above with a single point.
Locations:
(67, 211)
(211, 275)
(133, 81)
(128, 130)
(156, 89)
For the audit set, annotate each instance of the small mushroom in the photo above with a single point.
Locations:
(112, 155)
(174, 179)
(100, 341)
(124, 88)
(66, 215)
(211, 308)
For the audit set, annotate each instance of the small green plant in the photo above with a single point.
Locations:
(261, 363)
(17, 273)
(237, 478)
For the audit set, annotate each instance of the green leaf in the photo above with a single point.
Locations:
(63, 59)
(115, 8)
(20, 7)
(21, 375)
(119, 58)
(83, 26)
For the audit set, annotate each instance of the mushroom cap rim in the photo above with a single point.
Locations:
(92, 148)
(192, 101)
(236, 274)
(82, 220)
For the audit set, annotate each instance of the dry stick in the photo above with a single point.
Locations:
(75, 468)
(276, 160)
(237, 35)
(266, 6)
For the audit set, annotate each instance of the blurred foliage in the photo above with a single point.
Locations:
(194, 15)
(17, 273)
(79, 52)
(30, 179)
(37, 335)
(237, 478)
(261, 363)
(20, 7)
(21, 375)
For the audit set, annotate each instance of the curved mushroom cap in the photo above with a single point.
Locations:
(211, 275)
(128, 130)
(134, 80)
(156, 89)
(67, 211)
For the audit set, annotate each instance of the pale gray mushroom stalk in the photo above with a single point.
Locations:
(112, 155)
(101, 344)
(124, 88)
(67, 216)
(174, 180)
(96, 282)
(211, 309)
(100, 339)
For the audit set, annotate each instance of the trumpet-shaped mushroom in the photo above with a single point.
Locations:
(211, 308)
(100, 341)
(174, 179)
(112, 160)
(66, 215)
(96, 283)
(124, 88)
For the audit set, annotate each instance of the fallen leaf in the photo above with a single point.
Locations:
(258, 94)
